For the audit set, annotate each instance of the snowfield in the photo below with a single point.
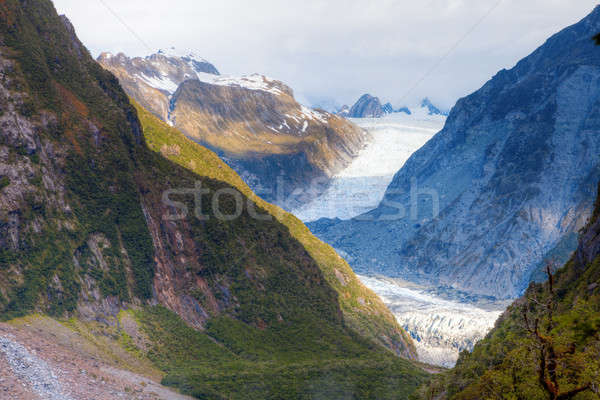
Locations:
(361, 186)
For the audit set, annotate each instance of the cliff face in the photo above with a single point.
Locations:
(252, 122)
(512, 174)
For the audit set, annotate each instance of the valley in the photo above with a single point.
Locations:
(171, 232)
(441, 326)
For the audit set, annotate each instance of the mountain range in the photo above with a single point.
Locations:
(368, 106)
(285, 151)
(506, 184)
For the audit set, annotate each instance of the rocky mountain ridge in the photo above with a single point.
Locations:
(253, 122)
(368, 106)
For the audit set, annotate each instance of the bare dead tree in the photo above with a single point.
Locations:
(549, 356)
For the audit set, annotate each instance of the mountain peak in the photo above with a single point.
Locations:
(433, 110)
(173, 52)
(367, 106)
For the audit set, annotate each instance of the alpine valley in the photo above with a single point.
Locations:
(506, 184)
(171, 232)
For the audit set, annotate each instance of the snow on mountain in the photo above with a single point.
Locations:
(162, 82)
(441, 328)
(433, 110)
(251, 82)
(173, 52)
(361, 186)
(166, 69)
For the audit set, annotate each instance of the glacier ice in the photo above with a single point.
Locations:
(361, 186)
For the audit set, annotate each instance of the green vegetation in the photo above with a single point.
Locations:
(235, 361)
(57, 74)
(278, 345)
(4, 182)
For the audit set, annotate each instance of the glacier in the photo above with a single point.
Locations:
(360, 187)
(441, 327)
(505, 186)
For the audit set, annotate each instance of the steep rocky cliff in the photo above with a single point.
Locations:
(90, 229)
(512, 175)
(253, 122)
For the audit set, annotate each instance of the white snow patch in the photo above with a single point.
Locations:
(176, 53)
(293, 117)
(163, 83)
(309, 113)
(251, 82)
(304, 126)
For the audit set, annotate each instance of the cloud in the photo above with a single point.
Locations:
(338, 49)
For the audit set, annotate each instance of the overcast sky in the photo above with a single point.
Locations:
(336, 50)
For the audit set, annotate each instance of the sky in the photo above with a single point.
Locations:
(331, 52)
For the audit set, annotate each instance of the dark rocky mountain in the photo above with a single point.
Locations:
(512, 175)
(366, 107)
(405, 110)
(89, 235)
(387, 108)
(253, 122)
(433, 110)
